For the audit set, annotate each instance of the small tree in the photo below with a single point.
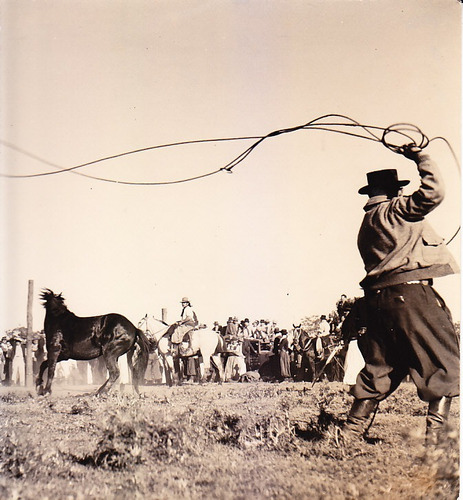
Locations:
(310, 324)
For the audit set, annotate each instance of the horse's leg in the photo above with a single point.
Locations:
(138, 358)
(114, 372)
(39, 379)
(217, 360)
(53, 358)
(177, 369)
(313, 367)
(306, 368)
(135, 372)
(207, 367)
(176, 364)
(197, 369)
(111, 353)
(169, 369)
(201, 368)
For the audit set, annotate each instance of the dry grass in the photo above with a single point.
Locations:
(231, 441)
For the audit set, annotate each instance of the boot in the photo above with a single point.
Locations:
(186, 351)
(356, 423)
(438, 412)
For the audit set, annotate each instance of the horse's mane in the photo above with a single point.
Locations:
(52, 302)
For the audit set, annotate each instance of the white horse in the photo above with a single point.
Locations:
(205, 343)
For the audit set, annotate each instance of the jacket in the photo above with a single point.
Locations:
(395, 241)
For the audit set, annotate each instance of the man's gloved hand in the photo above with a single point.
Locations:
(410, 151)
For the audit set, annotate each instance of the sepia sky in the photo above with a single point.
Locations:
(83, 80)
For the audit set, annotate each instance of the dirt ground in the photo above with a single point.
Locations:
(232, 441)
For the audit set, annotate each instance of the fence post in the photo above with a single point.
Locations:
(164, 315)
(30, 295)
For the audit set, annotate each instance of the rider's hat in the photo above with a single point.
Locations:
(386, 179)
(185, 299)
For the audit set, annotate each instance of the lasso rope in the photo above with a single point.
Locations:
(369, 132)
(405, 133)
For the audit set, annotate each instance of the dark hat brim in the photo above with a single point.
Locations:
(366, 189)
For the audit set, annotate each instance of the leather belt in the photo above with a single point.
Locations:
(420, 282)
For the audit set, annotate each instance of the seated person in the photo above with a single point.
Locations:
(179, 330)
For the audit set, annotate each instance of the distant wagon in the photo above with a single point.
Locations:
(263, 352)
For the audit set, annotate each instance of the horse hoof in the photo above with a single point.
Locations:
(101, 393)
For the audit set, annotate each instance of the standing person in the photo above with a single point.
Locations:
(188, 321)
(191, 369)
(340, 305)
(272, 330)
(324, 327)
(2, 365)
(8, 351)
(321, 345)
(263, 330)
(244, 330)
(236, 364)
(231, 331)
(284, 359)
(5, 347)
(19, 365)
(254, 329)
(217, 328)
(248, 351)
(409, 327)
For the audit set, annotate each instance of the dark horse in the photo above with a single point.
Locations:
(71, 337)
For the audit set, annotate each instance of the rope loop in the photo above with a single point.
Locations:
(408, 135)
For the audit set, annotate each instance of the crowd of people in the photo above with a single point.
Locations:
(13, 356)
(263, 330)
(277, 353)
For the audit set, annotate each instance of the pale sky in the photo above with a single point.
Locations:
(82, 80)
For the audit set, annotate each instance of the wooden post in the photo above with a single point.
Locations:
(164, 315)
(29, 374)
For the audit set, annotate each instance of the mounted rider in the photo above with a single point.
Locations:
(179, 330)
(322, 337)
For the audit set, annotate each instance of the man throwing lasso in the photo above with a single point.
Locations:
(409, 327)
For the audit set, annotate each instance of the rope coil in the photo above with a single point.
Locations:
(403, 129)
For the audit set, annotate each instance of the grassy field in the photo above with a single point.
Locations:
(230, 441)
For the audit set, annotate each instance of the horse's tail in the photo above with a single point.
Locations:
(139, 355)
(222, 347)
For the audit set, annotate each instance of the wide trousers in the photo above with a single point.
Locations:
(409, 331)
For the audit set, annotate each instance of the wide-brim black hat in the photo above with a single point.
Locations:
(385, 179)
